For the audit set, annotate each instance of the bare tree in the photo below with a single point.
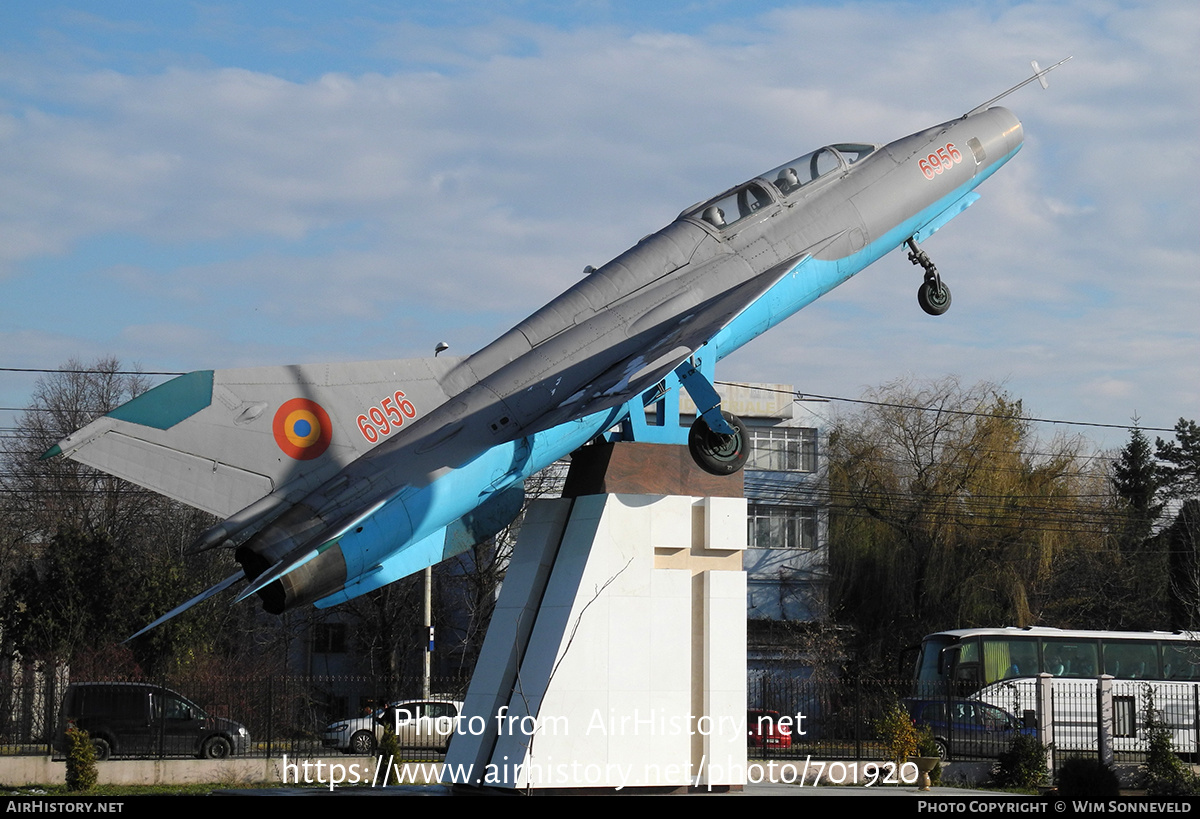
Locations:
(472, 581)
(45, 496)
(93, 558)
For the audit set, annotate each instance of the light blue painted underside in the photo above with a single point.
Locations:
(814, 278)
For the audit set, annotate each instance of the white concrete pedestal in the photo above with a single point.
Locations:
(616, 656)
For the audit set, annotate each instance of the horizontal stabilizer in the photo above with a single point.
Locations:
(202, 596)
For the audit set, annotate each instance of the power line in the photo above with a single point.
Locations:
(801, 396)
(797, 395)
(86, 372)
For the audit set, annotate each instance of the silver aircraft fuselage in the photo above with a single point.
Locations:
(330, 491)
(566, 373)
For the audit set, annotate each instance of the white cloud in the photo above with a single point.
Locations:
(472, 174)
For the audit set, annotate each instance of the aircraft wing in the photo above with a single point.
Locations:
(667, 335)
(220, 440)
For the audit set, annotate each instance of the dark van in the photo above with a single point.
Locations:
(139, 719)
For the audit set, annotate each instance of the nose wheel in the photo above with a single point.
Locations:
(933, 295)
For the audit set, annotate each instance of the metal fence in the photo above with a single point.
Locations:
(839, 719)
(829, 720)
(280, 714)
(1125, 714)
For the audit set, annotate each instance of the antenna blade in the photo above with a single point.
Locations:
(1040, 74)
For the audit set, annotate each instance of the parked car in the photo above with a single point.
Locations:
(974, 729)
(417, 723)
(764, 730)
(137, 719)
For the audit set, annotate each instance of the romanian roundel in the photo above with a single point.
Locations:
(302, 429)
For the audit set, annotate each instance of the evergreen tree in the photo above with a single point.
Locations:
(1142, 586)
(1180, 461)
(1181, 541)
(1136, 479)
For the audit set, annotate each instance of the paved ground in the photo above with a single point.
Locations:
(765, 789)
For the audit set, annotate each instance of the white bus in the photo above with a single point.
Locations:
(999, 666)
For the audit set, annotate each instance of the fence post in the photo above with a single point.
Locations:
(1104, 719)
(270, 716)
(1045, 715)
(948, 705)
(1195, 719)
(858, 722)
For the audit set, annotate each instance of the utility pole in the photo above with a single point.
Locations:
(428, 629)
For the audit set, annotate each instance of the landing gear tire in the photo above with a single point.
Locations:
(934, 297)
(719, 454)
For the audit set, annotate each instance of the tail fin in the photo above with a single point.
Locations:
(220, 440)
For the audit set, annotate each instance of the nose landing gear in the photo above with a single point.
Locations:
(933, 295)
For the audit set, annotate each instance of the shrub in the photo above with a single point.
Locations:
(927, 746)
(1080, 777)
(1164, 774)
(897, 730)
(1023, 765)
(389, 753)
(81, 761)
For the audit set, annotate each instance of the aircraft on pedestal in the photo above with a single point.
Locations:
(336, 479)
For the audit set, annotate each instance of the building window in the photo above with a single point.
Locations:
(783, 449)
(329, 638)
(782, 527)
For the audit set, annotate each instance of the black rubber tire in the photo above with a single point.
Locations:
(933, 302)
(363, 743)
(719, 454)
(102, 747)
(216, 748)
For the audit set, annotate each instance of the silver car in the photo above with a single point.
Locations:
(417, 723)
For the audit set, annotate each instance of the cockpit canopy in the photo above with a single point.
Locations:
(735, 205)
(791, 176)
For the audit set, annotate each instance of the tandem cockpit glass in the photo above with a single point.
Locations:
(792, 176)
(733, 207)
(787, 179)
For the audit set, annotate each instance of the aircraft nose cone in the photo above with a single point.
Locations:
(1010, 134)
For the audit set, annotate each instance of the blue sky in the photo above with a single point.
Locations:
(196, 185)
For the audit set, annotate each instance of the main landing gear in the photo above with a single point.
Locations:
(933, 295)
(718, 441)
(715, 452)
